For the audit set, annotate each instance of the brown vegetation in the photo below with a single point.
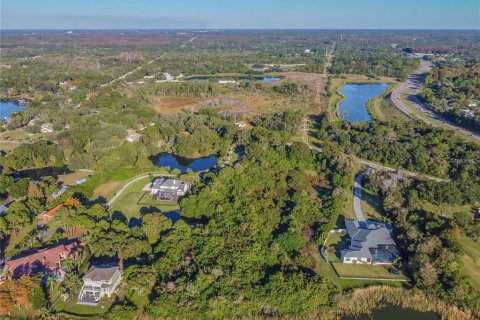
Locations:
(363, 301)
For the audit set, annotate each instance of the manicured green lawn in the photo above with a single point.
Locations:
(366, 271)
(133, 200)
(335, 243)
(71, 306)
(471, 261)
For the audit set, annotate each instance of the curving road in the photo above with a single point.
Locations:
(411, 88)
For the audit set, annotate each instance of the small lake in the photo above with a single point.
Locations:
(391, 312)
(8, 107)
(354, 107)
(183, 164)
(216, 79)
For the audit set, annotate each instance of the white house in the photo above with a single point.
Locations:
(46, 127)
(99, 281)
(132, 136)
(169, 189)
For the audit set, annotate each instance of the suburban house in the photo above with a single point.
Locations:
(99, 281)
(167, 189)
(47, 261)
(48, 215)
(369, 242)
(132, 136)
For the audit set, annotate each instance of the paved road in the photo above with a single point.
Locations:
(133, 180)
(405, 172)
(357, 196)
(411, 88)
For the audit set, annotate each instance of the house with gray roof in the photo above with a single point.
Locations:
(99, 281)
(369, 242)
(168, 189)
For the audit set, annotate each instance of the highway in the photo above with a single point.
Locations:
(410, 89)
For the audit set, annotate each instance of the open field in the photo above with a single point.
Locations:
(128, 204)
(366, 271)
(71, 178)
(174, 104)
(449, 210)
(106, 189)
(471, 261)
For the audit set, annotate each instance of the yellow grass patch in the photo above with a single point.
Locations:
(107, 189)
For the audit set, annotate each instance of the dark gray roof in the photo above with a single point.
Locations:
(101, 272)
(369, 239)
(167, 182)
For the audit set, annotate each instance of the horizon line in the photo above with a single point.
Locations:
(235, 29)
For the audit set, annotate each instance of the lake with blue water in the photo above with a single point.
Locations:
(8, 107)
(354, 106)
(183, 164)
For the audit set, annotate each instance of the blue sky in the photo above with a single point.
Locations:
(240, 14)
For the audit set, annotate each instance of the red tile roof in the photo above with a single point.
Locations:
(40, 260)
(49, 214)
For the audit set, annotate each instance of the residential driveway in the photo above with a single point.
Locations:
(357, 196)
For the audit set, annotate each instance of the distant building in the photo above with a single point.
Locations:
(60, 191)
(132, 136)
(166, 189)
(50, 213)
(81, 181)
(47, 261)
(46, 128)
(99, 281)
(369, 242)
(226, 81)
(168, 76)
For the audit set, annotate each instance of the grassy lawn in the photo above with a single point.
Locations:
(471, 260)
(366, 271)
(383, 109)
(129, 204)
(71, 306)
(335, 243)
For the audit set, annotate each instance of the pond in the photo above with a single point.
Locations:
(9, 107)
(392, 312)
(214, 78)
(174, 161)
(354, 107)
